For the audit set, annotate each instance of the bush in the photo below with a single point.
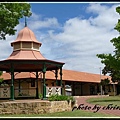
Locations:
(40, 96)
(57, 97)
(72, 100)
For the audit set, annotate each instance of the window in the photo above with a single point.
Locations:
(32, 83)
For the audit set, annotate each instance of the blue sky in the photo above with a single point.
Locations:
(71, 32)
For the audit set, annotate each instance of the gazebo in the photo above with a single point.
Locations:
(26, 57)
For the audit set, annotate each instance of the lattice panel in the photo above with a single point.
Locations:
(49, 91)
(53, 90)
(4, 92)
(58, 90)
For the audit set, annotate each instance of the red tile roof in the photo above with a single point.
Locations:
(68, 75)
(26, 55)
(26, 35)
(71, 75)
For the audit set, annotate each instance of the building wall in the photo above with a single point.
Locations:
(25, 88)
(86, 89)
(28, 90)
(78, 88)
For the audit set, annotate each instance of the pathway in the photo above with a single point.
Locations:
(83, 105)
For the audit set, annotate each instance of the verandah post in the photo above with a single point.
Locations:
(44, 85)
(12, 83)
(61, 79)
(37, 95)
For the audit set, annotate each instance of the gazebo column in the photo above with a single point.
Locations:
(56, 76)
(44, 85)
(61, 79)
(12, 84)
(37, 95)
(19, 87)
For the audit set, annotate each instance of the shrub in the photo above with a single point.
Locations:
(56, 97)
(40, 96)
(72, 100)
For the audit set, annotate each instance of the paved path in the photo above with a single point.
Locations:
(83, 105)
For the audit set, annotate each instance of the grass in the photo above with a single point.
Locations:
(76, 113)
(115, 100)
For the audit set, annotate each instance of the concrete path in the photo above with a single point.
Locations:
(83, 105)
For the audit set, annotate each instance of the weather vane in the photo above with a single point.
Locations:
(25, 22)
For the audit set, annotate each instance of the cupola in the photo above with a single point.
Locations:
(26, 40)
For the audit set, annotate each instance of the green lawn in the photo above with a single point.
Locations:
(115, 100)
(76, 113)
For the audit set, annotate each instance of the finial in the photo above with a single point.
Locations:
(25, 22)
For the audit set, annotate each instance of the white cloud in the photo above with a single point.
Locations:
(37, 22)
(107, 16)
(79, 40)
(84, 38)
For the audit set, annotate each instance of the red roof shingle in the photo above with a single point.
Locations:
(68, 75)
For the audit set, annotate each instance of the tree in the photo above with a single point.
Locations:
(112, 61)
(10, 14)
(1, 79)
(105, 82)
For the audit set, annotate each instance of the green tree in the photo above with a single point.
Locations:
(112, 61)
(104, 82)
(1, 79)
(10, 14)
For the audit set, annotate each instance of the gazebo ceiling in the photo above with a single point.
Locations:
(26, 56)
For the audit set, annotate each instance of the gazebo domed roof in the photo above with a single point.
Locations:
(26, 46)
(26, 35)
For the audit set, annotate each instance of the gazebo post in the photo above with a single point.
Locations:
(37, 96)
(19, 87)
(44, 85)
(12, 84)
(56, 76)
(61, 79)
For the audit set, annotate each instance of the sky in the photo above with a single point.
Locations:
(73, 33)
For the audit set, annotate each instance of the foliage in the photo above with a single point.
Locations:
(56, 97)
(1, 79)
(40, 96)
(112, 61)
(105, 81)
(10, 14)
